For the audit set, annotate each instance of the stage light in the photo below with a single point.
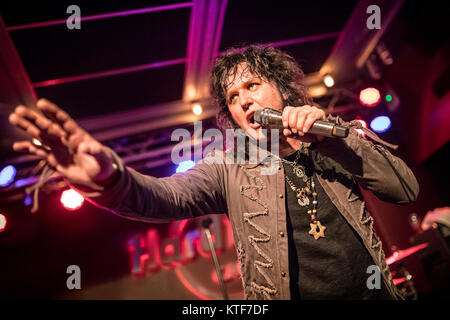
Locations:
(7, 175)
(27, 201)
(317, 91)
(169, 250)
(392, 99)
(369, 97)
(380, 124)
(71, 199)
(197, 109)
(3, 222)
(185, 165)
(328, 80)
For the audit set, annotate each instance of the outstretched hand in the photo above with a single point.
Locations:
(65, 145)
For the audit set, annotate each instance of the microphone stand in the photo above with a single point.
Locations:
(206, 223)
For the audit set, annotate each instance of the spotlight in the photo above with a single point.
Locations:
(169, 250)
(380, 124)
(27, 201)
(3, 222)
(7, 175)
(392, 100)
(328, 80)
(185, 165)
(369, 97)
(71, 199)
(317, 91)
(197, 109)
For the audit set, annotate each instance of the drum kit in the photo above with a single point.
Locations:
(400, 275)
(400, 255)
(431, 241)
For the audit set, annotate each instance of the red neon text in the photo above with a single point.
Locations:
(150, 252)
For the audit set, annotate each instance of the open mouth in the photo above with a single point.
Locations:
(251, 120)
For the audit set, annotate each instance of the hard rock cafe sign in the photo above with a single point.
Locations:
(185, 249)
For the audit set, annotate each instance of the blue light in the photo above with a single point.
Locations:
(380, 124)
(7, 175)
(185, 165)
(27, 201)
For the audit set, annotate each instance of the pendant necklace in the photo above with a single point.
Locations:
(303, 194)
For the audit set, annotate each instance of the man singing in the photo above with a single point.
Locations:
(302, 232)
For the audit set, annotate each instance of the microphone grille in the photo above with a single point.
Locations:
(257, 115)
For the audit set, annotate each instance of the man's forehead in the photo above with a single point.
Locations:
(242, 73)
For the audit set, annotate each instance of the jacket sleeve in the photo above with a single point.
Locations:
(371, 165)
(135, 196)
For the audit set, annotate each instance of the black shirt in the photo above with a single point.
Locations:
(334, 267)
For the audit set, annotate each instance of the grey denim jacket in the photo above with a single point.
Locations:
(255, 203)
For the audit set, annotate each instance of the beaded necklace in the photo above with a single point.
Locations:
(303, 194)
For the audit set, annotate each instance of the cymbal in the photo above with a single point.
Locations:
(402, 254)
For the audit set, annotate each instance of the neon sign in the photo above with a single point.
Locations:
(185, 249)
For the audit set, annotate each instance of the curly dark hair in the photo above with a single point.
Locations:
(269, 64)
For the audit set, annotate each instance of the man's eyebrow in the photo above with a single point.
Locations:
(228, 94)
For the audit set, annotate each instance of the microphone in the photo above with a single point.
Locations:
(268, 117)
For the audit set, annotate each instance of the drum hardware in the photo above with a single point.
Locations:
(400, 255)
(403, 280)
(401, 277)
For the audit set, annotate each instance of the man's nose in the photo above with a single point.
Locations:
(245, 100)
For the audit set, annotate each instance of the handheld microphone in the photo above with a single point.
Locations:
(268, 117)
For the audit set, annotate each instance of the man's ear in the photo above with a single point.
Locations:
(283, 95)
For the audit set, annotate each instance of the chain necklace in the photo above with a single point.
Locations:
(302, 194)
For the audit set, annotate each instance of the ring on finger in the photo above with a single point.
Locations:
(38, 143)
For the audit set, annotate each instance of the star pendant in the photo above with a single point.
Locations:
(315, 233)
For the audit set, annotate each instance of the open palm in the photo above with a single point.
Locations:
(65, 145)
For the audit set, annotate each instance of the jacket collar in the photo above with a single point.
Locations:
(262, 162)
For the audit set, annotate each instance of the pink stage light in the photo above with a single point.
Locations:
(3, 222)
(369, 97)
(71, 199)
(169, 250)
